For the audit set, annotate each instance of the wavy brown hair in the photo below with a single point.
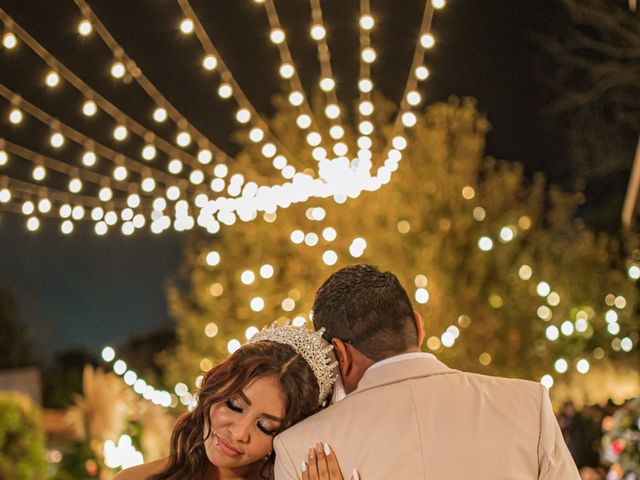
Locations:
(188, 458)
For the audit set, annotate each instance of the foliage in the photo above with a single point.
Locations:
(15, 343)
(621, 443)
(22, 449)
(445, 201)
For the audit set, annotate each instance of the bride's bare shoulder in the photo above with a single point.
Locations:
(142, 472)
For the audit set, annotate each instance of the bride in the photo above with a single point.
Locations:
(282, 376)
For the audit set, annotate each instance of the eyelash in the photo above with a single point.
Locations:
(237, 409)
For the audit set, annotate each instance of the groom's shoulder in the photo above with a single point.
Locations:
(503, 384)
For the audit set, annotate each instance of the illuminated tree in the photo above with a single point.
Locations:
(506, 280)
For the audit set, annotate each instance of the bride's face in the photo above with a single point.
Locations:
(243, 427)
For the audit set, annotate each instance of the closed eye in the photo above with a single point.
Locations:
(230, 405)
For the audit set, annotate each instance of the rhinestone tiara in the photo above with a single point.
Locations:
(310, 346)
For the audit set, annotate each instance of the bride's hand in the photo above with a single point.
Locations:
(322, 464)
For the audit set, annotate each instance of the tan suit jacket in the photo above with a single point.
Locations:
(419, 419)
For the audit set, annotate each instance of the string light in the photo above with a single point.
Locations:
(16, 116)
(9, 41)
(89, 108)
(85, 28)
(52, 79)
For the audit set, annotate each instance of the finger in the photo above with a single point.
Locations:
(332, 463)
(305, 470)
(323, 468)
(355, 475)
(312, 464)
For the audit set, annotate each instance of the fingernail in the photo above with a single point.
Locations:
(303, 466)
(354, 475)
(311, 452)
(327, 450)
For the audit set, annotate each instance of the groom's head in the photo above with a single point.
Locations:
(367, 316)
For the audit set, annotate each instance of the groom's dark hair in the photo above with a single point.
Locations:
(367, 308)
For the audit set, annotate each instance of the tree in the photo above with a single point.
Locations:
(15, 344)
(506, 280)
(596, 83)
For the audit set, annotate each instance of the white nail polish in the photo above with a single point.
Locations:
(354, 475)
(303, 466)
(327, 450)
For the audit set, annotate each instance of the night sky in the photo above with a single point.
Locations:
(84, 290)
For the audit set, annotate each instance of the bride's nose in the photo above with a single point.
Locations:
(240, 429)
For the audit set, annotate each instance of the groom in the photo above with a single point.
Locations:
(407, 416)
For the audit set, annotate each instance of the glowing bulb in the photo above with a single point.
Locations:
(221, 170)
(28, 208)
(148, 184)
(330, 257)
(212, 258)
(225, 90)
(4, 158)
(89, 159)
(233, 345)
(366, 22)
(332, 111)
(318, 32)
(304, 121)
(186, 26)
(327, 84)
(44, 205)
(159, 114)
(16, 116)
(5, 195)
(296, 98)
(108, 354)
(485, 244)
(427, 40)
(118, 70)
(297, 236)
(414, 98)
(39, 173)
(149, 152)
(243, 115)
(210, 62)
(336, 132)
(438, 4)
(85, 28)
(368, 55)
(257, 304)
(9, 40)
(57, 140)
(583, 366)
(256, 134)
(247, 277)
(422, 295)
(286, 70)
(183, 139)
(120, 173)
(366, 108)
(105, 194)
(52, 79)
(547, 381)
(314, 139)
(75, 185)
(277, 36)
(205, 156)
(552, 333)
(329, 234)
(409, 119)
(120, 133)
(33, 224)
(266, 271)
(543, 289)
(422, 73)
(89, 108)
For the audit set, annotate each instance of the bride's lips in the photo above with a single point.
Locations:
(226, 448)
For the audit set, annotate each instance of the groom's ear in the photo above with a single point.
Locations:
(343, 355)
(419, 327)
